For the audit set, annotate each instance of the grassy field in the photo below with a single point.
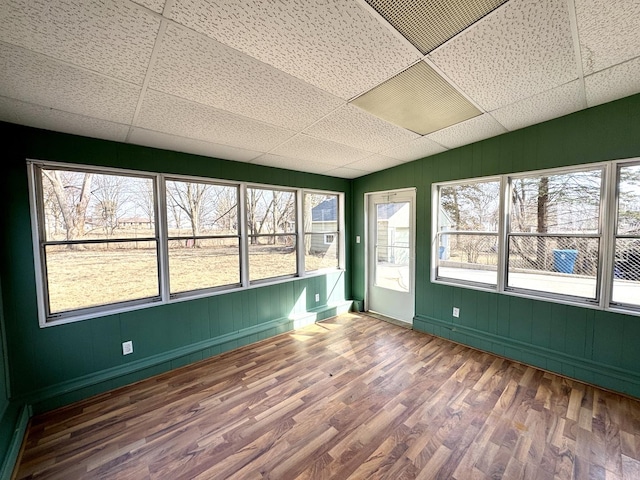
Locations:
(90, 277)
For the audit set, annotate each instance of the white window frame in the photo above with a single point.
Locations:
(162, 238)
(436, 233)
(606, 234)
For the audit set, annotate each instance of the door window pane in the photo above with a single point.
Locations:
(392, 267)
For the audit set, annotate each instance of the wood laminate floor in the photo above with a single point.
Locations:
(351, 397)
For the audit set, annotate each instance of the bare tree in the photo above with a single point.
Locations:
(110, 195)
(557, 203)
(145, 199)
(191, 198)
(472, 207)
(72, 191)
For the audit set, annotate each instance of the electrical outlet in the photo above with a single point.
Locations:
(317, 297)
(357, 238)
(456, 312)
(127, 347)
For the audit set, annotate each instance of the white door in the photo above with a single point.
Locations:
(390, 254)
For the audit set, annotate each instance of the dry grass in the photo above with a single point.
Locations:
(85, 278)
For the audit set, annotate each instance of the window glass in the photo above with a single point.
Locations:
(626, 271)
(204, 243)
(467, 234)
(271, 227)
(321, 227)
(90, 275)
(553, 240)
(99, 233)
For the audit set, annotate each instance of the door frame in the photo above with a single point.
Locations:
(367, 241)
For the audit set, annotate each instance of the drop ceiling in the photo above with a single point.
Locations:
(336, 87)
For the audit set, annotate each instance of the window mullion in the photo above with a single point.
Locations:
(503, 230)
(608, 219)
(301, 234)
(162, 233)
(244, 235)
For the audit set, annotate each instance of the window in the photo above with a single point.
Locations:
(271, 224)
(554, 233)
(203, 236)
(109, 240)
(544, 234)
(626, 270)
(96, 232)
(321, 231)
(467, 234)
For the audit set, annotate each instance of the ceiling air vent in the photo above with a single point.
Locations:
(419, 100)
(427, 24)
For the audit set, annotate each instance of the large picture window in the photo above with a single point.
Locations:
(569, 234)
(97, 232)
(553, 239)
(109, 240)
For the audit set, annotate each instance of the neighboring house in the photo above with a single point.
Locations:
(324, 226)
(393, 220)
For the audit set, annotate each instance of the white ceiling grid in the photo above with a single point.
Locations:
(270, 81)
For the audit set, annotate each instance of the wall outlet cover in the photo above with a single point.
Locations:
(456, 312)
(127, 347)
(317, 297)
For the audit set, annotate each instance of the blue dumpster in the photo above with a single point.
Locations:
(564, 260)
(441, 251)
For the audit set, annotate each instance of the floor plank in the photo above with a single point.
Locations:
(351, 397)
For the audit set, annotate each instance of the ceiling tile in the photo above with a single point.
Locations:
(523, 48)
(155, 5)
(428, 24)
(616, 82)
(419, 148)
(474, 130)
(180, 117)
(140, 136)
(336, 45)
(40, 80)
(113, 37)
(194, 67)
(37, 116)
(418, 99)
(344, 172)
(312, 149)
(609, 32)
(352, 126)
(375, 163)
(544, 106)
(278, 161)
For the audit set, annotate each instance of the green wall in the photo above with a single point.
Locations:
(595, 346)
(56, 365)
